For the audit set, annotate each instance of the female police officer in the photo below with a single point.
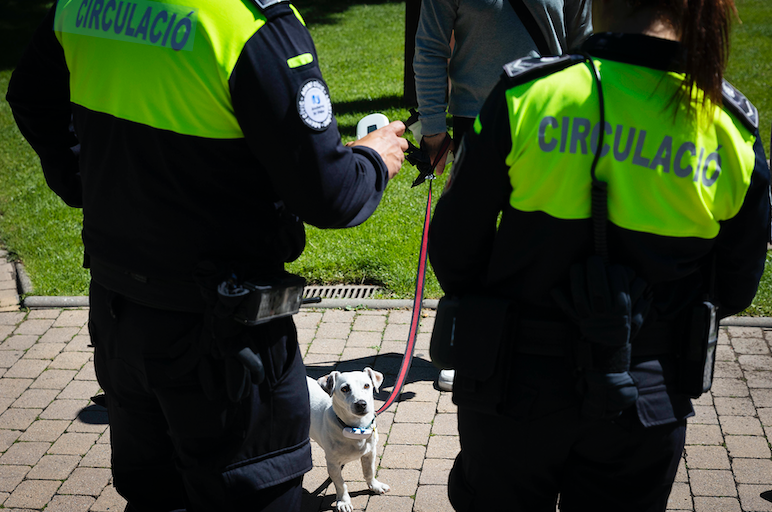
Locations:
(586, 397)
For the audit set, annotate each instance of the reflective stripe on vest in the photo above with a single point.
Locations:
(162, 64)
(663, 179)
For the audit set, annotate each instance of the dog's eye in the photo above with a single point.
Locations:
(367, 386)
(346, 388)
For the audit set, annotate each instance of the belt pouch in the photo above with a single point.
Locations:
(698, 355)
(481, 344)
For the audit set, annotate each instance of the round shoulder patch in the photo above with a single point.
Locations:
(314, 104)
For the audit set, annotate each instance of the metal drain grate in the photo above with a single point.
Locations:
(341, 291)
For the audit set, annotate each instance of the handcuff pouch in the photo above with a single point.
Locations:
(697, 357)
(473, 335)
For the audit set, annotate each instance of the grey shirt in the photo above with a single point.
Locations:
(488, 34)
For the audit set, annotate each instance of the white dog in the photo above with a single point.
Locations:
(343, 424)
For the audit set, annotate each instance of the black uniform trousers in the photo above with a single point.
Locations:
(543, 449)
(177, 442)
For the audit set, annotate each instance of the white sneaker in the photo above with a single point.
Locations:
(445, 380)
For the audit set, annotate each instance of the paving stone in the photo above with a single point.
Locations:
(762, 397)
(33, 494)
(27, 369)
(386, 503)
(45, 430)
(748, 446)
(396, 332)
(446, 405)
(704, 414)
(36, 327)
(752, 346)
(12, 476)
(729, 370)
(337, 316)
(7, 438)
(36, 398)
(13, 388)
(79, 389)
(59, 335)
(681, 473)
(725, 353)
(11, 318)
(47, 351)
(356, 359)
(92, 419)
(24, 454)
(54, 379)
(306, 336)
(409, 433)
(423, 391)
(74, 444)
(729, 388)
(712, 482)
(72, 318)
(51, 314)
(64, 409)
(88, 481)
(432, 498)
(70, 504)
(755, 362)
(400, 316)
(70, 361)
(6, 330)
(758, 379)
(18, 342)
(710, 504)
(443, 447)
(750, 497)
(307, 320)
(707, 457)
(369, 323)
(680, 498)
(403, 482)
(445, 425)
(753, 471)
(734, 406)
(704, 435)
(80, 343)
(87, 372)
(741, 425)
(414, 412)
(364, 339)
(9, 357)
(18, 419)
(327, 346)
(97, 457)
(54, 467)
(435, 471)
(403, 456)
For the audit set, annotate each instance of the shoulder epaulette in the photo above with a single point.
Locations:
(264, 4)
(527, 69)
(739, 105)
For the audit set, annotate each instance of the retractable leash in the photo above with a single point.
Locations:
(415, 156)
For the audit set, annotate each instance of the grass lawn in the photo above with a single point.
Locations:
(361, 47)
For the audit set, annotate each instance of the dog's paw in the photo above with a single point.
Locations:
(344, 506)
(378, 487)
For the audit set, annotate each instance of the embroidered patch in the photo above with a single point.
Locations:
(314, 104)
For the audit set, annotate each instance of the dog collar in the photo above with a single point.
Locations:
(357, 432)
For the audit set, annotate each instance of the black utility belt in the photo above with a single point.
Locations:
(259, 302)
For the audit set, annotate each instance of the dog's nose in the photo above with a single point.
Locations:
(360, 406)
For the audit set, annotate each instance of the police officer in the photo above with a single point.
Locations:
(688, 220)
(197, 136)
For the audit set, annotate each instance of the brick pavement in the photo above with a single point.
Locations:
(54, 443)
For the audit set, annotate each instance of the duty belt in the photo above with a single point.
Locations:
(556, 339)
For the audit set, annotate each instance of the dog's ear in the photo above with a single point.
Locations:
(376, 377)
(328, 382)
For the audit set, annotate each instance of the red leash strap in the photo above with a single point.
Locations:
(419, 296)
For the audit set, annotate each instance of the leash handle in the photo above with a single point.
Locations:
(417, 302)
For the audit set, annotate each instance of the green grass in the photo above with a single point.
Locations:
(361, 47)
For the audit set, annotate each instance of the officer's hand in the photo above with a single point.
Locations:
(388, 142)
(432, 145)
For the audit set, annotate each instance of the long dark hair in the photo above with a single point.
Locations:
(704, 29)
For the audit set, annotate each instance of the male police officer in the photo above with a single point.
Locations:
(196, 135)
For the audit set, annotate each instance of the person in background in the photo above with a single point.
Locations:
(591, 380)
(466, 43)
(197, 137)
